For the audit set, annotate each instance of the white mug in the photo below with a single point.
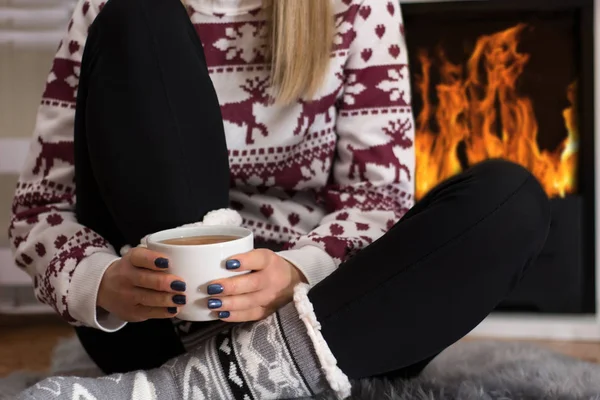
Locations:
(199, 265)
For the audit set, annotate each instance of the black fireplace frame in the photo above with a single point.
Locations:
(433, 10)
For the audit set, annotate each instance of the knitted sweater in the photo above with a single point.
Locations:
(325, 177)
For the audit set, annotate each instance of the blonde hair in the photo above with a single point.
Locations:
(300, 39)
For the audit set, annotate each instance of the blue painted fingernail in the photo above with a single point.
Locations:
(172, 310)
(214, 303)
(178, 286)
(232, 264)
(215, 289)
(224, 314)
(179, 299)
(161, 263)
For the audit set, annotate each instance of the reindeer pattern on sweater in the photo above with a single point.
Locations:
(323, 176)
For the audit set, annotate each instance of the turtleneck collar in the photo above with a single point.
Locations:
(227, 7)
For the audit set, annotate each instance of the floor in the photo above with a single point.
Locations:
(26, 344)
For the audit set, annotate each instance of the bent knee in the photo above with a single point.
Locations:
(127, 14)
(512, 191)
(526, 205)
(500, 173)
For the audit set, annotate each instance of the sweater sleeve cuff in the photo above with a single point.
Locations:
(312, 261)
(83, 293)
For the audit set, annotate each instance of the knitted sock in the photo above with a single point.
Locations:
(281, 357)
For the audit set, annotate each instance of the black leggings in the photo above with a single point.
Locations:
(151, 154)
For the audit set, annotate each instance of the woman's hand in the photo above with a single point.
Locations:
(254, 296)
(138, 287)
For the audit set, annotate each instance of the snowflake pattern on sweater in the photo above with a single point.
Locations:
(325, 176)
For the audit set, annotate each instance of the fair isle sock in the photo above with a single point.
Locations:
(157, 384)
(281, 357)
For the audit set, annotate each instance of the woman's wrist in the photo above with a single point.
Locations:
(297, 275)
(100, 298)
(311, 261)
(84, 290)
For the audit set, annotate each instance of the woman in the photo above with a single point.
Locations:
(315, 153)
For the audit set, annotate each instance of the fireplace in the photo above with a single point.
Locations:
(514, 80)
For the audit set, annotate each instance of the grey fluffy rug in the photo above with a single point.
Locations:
(492, 371)
(466, 371)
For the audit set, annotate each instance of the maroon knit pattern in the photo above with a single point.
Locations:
(335, 171)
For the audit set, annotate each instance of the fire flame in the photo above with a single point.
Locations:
(472, 104)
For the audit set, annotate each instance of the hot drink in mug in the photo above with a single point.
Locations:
(198, 255)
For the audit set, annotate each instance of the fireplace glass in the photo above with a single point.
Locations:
(514, 80)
